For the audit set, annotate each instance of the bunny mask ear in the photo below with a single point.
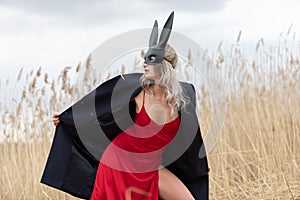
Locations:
(155, 53)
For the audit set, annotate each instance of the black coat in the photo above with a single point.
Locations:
(83, 132)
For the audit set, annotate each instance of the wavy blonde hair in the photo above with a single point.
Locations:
(168, 80)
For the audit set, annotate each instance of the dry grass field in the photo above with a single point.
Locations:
(257, 155)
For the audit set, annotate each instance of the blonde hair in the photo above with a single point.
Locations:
(167, 79)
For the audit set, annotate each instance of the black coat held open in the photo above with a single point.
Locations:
(87, 127)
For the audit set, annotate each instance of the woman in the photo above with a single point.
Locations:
(157, 112)
(164, 114)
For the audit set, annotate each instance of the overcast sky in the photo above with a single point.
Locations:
(58, 33)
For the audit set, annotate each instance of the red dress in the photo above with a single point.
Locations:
(129, 166)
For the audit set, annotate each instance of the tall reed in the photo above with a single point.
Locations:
(257, 155)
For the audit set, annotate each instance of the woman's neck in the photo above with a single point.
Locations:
(159, 92)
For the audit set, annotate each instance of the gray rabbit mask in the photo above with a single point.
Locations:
(155, 53)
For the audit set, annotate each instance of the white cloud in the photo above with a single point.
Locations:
(256, 19)
(55, 34)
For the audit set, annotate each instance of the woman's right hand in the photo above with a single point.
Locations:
(55, 119)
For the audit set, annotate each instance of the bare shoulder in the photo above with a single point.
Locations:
(139, 97)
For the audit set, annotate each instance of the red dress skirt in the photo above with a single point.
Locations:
(129, 166)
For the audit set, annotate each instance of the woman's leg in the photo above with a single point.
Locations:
(171, 187)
